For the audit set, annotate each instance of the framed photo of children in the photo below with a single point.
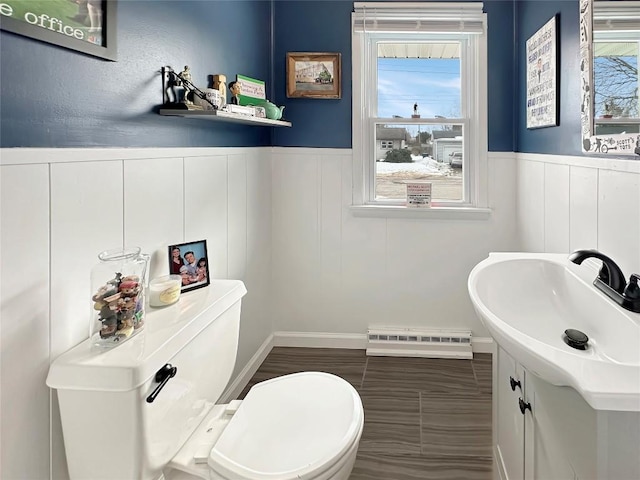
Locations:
(189, 260)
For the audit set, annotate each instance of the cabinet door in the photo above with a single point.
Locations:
(558, 432)
(509, 425)
(529, 397)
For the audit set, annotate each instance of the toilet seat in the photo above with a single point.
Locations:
(296, 426)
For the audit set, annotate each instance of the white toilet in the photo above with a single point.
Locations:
(147, 407)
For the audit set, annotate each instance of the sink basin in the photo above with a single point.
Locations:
(527, 301)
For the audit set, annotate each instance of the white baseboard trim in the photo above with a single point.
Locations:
(353, 341)
(483, 345)
(237, 385)
(320, 340)
(316, 340)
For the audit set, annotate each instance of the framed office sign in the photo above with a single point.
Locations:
(87, 26)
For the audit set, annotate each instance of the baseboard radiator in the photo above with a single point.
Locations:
(409, 342)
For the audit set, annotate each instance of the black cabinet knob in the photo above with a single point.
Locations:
(515, 383)
(524, 406)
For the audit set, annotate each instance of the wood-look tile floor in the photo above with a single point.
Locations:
(424, 418)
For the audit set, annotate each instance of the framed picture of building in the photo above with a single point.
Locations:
(313, 75)
(87, 26)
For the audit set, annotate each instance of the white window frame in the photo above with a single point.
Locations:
(473, 96)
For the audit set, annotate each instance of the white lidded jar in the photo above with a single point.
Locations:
(117, 296)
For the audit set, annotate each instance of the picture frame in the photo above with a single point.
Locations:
(65, 23)
(194, 275)
(542, 98)
(314, 75)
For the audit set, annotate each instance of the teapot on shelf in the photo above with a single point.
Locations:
(273, 111)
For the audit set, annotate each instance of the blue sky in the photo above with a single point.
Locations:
(618, 84)
(434, 84)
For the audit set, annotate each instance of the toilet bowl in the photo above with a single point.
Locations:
(300, 426)
(147, 408)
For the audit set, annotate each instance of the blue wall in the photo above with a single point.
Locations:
(313, 26)
(325, 26)
(500, 77)
(53, 97)
(565, 138)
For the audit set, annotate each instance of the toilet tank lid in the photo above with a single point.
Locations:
(167, 330)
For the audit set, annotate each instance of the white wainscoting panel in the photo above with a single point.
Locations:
(331, 203)
(363, 277)
(205, 208)
(428, 264)
(154, 208)
(237, 210)
(24, 321)
(259, 231)
(60, 208)
(618, 219)
(556, 208)
(530, 216)
(604, 205)
(86, 219)
(295, 235)
(373, 270)
(364, 298)
(583, 208)
(256, 324)
(502, 190)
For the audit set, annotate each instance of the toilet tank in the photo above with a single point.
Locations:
(110, 429)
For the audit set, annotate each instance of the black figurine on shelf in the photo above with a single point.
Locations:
(235, 89)
(172, 79)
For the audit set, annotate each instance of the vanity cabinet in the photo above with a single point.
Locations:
(541, 431)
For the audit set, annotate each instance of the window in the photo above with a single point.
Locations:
(419, 102)
(616, 49)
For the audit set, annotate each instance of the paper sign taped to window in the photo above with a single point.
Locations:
(419, 194)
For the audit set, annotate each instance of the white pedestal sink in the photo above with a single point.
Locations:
(527, 301)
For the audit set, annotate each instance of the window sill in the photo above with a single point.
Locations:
(440, 213)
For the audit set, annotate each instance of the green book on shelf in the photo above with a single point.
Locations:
(253, 91)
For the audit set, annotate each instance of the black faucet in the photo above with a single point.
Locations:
(611, 281)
